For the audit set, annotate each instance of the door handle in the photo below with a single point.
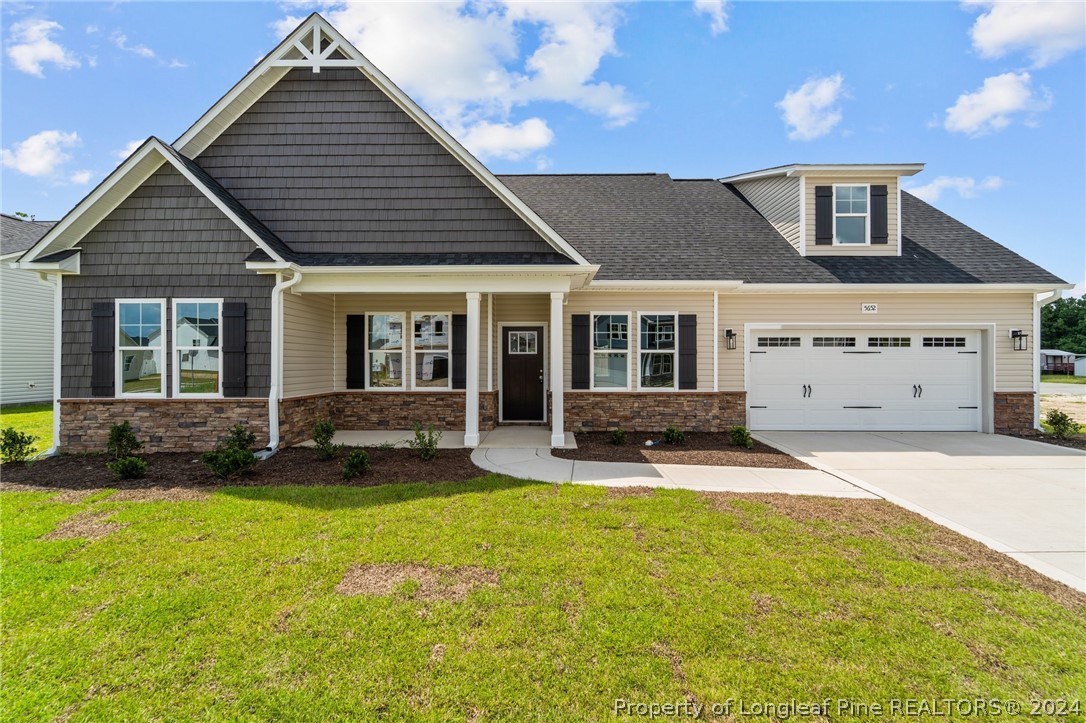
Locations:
(806, 390)
(914, 391)
(810, 391)
(921, 388)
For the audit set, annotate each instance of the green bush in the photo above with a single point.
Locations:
(1063, 427)
(239, 438)
(16, 446)
(618, 436)
(128, 467)
(227, 462)
(425, 443)
(674, 435)
(740, 436)
(356, 464)
(324, 431)
(122, 441)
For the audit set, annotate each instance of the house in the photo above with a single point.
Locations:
(1056, 361)
(1080, 366)
(359, 264)
(26, 319)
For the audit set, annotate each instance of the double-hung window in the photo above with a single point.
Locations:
(432, 346)
(197, 358)
(657, 351)
(140, 348)
(384, 351)
(850, 215)
(610, 351)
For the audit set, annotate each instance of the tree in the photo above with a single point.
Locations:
(1063, 325)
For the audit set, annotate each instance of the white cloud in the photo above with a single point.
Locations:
(991, 107)
(811, 110)
(30, 46)
(463, 62)
(80, 178)
(92, 29)
(1046, 30)
(717, 10)
(506, 140)
(965, 186)
(121, 41)
(175, 63)
(41, 154)
(129, 148)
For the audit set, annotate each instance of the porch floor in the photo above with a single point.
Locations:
(500, 438)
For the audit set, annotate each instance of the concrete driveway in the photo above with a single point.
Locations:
(1074, 390)
(1026, 499)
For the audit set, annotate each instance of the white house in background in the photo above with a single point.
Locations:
(26, 319)
(1080, 366)
(1057, 361)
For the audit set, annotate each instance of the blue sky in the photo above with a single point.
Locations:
(990, 96)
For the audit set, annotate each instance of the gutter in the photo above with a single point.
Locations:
(276, 361)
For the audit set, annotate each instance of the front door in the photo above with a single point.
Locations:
(522, 374)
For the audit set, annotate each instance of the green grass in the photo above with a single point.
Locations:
(1061, 379)
(37, 419)
(225, 608)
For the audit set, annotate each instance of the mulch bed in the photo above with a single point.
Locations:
(170, 472)
(1076, 442)
(702, 448)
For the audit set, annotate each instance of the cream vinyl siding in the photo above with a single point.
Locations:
(26, 337)
(309, 367)
(1013, 369)
(692, 302)
(776, 198)
(888, 249)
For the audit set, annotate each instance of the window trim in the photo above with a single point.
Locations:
(866, 216)
(118, 362)
(629, 350)
(448, 351)
(406, 349)
(175, 351)
(674, 352)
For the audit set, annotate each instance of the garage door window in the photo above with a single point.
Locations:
(944, 341)
(889, 341)
(778, 341)
(824, 341)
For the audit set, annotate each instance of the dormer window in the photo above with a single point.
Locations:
(850, 225)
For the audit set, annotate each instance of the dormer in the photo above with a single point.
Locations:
(833, 209)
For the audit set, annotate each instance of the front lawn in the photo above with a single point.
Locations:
(36, 419)
(1061, 379)
(495, 599)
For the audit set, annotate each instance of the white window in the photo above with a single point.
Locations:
(140, 361)
(432, 349)
(657, 351)
(778, 341)
(850, 222)
(824, 341)
(197, 357)
(610, 351)
(384, 351)
(523, 342)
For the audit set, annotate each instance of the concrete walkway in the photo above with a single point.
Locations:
(1023, 498)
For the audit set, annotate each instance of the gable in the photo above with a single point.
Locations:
(332, 165)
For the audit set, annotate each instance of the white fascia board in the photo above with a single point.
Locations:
(541, 270)
(869, 169)
(70, 265)
(656, 284)
(346, 283)
(897, 288)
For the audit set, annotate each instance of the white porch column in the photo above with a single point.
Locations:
(558, 433)
(471, 391)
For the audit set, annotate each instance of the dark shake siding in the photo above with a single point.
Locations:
(165, 241)
(331, 165)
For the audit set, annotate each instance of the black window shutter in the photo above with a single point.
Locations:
(233, 349)
(880, 233)
(581, 348)
(356, 351)
(103, 337)
(688, 351)
(459, 351)
(823, 215)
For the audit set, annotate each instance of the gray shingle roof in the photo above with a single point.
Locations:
(17, 234)
(642, 227)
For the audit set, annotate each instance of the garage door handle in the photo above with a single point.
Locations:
(921, 388)
(914, 391)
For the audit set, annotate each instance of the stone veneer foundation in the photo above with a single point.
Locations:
(163, 425)
(654, 411)
(1013, 412)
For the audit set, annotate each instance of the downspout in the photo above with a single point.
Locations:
(276, 361)
(57, 316)
(1039, 301)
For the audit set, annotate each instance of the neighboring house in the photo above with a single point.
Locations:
(1056, 361)
(359, 264)
(1080, 366)
(26, 319)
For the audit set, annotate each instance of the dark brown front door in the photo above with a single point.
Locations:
(522, 374)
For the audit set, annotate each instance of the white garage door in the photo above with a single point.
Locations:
(887, 380)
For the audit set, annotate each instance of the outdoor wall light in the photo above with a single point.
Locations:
(1020, 339)
(729, 338)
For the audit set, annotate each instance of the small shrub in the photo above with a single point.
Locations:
(425, 443)
(239, 438)
(324, 431)
(674, 435)
(356, 464)
(122, 441)
(618, 436)
(227, 462)
(128, 467)
(740, 436)
(1063, 427)
(16, 446)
